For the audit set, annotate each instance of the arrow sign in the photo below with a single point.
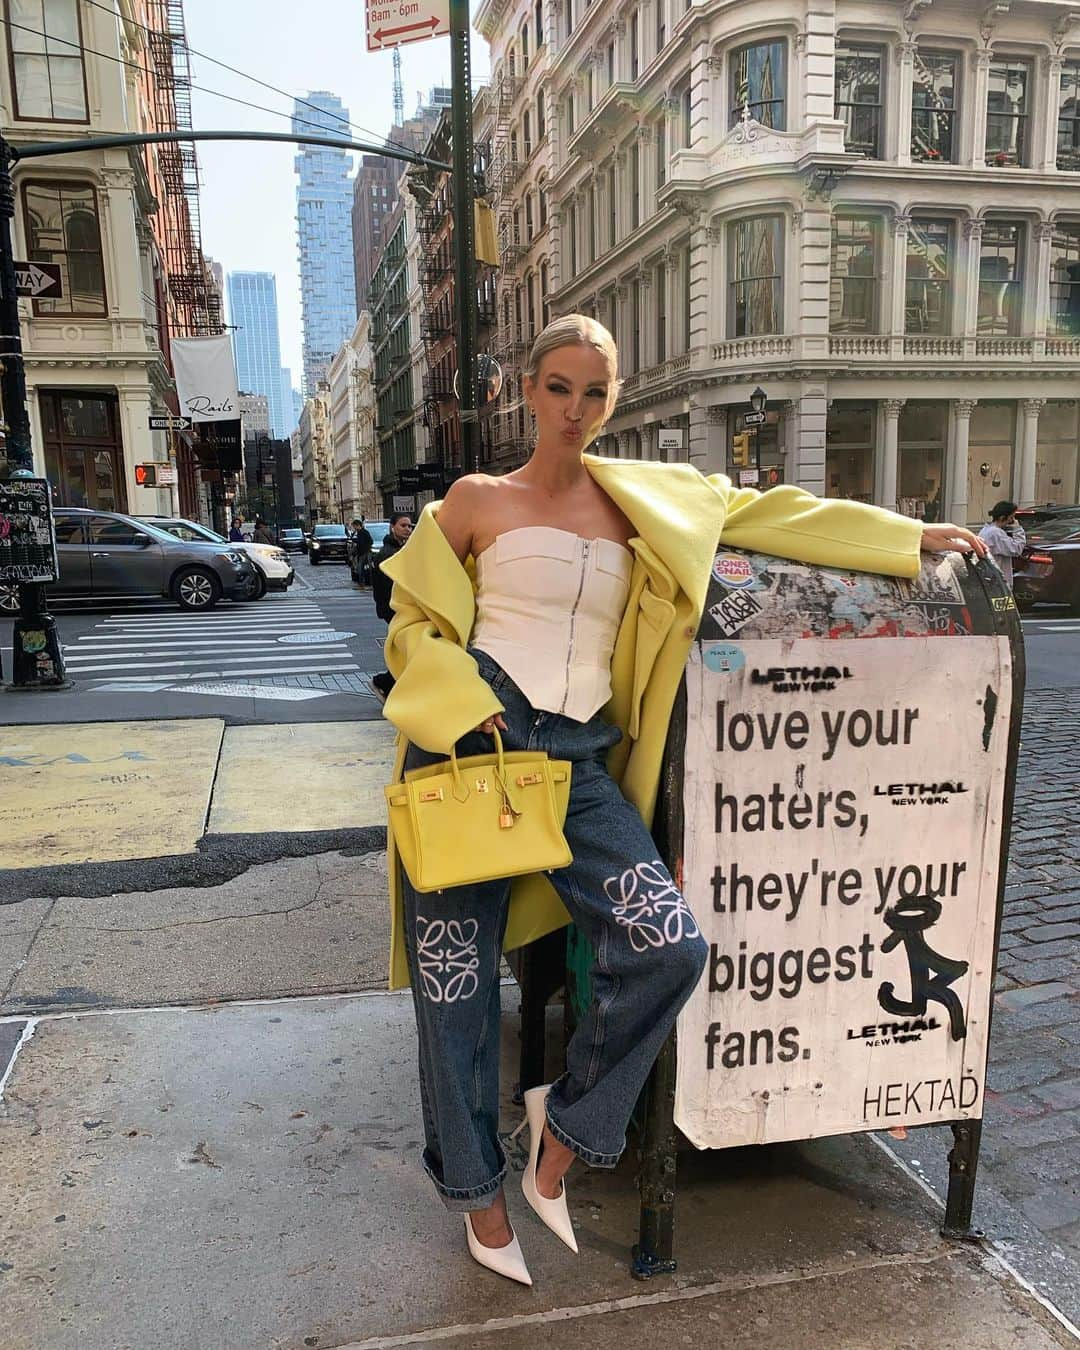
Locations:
(38, 280)
(165, 422)
(390, 23)
(753, 419)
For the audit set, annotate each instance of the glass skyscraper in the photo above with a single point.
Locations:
(252, 302)
(324, 231)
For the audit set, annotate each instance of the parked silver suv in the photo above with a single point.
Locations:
(106, 555)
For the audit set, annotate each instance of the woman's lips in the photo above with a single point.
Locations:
(572, 433)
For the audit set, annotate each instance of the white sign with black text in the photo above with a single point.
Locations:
(843, 816)
(205, 372)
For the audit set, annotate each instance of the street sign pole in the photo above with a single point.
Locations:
(37, 652)
(464, 232)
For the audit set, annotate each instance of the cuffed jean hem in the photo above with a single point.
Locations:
(588, 1155)
(459, 1199)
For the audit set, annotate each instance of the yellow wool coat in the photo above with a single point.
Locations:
(679, 516)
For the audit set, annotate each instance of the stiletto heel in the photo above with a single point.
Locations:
(553, 1212)
(506, 1260)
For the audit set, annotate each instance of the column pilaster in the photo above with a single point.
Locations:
(957, 486)
(1024, 472)
(889, 453)
(905, 60)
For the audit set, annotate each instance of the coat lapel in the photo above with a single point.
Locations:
(678, 513)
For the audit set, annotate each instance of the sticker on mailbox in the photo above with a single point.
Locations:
(724, 658)
(733, 571)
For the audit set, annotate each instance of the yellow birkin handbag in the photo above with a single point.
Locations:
(469, 820)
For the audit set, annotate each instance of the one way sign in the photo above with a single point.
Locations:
(390, 23)
(40, 281)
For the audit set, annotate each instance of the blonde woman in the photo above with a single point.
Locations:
(558, 603)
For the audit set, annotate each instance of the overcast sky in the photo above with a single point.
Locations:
(249, 191)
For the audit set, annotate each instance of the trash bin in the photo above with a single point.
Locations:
(835, 805)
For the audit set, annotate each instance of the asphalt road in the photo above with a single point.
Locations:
(300, 656)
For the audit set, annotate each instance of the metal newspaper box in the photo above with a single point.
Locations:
(836, 806)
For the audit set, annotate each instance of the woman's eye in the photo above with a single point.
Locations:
(556, 389)
(597, 393)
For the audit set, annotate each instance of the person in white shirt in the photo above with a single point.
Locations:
(1004, 537)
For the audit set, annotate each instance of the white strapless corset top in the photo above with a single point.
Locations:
(548, 608)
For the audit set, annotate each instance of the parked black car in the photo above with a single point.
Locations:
(106, 555)
(1048, 571)
(1032, 517)
(292, 540)
(328, 543)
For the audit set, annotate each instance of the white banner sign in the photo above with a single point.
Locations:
(206, 378)
(843, 812)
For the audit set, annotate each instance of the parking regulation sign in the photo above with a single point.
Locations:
(392, 23)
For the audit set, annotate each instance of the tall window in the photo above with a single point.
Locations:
(611, 63)
(573, 239)
(542, 195)
(526, 125)
(613, 315)
(46, 60)
(1065, 281)
(539, 24)
(592, 222)
(858, 98)
(613, 209)
(545, 308)
(684, 116)
(660, 282)
(634, 45)
(569, 17)
(853, 283)
(928, 287)
(530, 293)
(524, 47)
(661, 25)
(755, 276)
(570, 113)
(62, 227)
(635, 185)
(1068, 137)
(933, 106)
(661, 151)
(528, 215)
(1007, 106)
(541, 116)
(1001, 282)
(759, 82)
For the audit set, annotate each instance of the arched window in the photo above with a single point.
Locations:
(541, 116)
(526, 125)
(524, 47)
(541, 189)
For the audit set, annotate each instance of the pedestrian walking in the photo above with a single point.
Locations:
(1004, 536)
(359, 549)
(263, 533)
(401, 527)
(568, 632)
(236, 534)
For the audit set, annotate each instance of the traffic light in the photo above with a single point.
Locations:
(740, 450)
(146, 475)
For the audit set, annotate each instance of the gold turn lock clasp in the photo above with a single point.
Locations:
(529, 779)
(432, 795)
(482, 785)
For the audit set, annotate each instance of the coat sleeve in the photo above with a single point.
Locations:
(438, 694)
(792, 523)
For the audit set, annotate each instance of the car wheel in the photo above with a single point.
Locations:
(257, 586)
(9, 597)
(195, 588)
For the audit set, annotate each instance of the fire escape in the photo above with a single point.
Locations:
(507, 164)
(198, 304)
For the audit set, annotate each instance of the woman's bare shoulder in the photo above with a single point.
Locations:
(468, 502)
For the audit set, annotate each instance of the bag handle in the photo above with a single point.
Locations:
(461, 791)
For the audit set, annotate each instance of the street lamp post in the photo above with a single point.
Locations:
(37, 660)
(758, 400)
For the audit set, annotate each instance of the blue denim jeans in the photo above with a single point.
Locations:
(649, 955)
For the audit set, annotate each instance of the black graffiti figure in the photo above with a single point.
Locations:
(909, 919)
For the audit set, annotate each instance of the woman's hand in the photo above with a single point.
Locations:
(951, 539)
(489, 726)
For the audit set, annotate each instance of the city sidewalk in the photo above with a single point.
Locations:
(246, 1176)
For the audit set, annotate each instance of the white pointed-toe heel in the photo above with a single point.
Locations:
(507, 1260)
(553, 1212)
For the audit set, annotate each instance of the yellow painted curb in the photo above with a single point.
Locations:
(302, 776)
(104, 791)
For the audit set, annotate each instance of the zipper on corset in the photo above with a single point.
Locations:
(585, 543)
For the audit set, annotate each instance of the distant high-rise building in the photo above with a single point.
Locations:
(287, 399)
(324, 231)
(252, 300)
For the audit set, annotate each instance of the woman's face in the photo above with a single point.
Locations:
(570, 396)
(401, 529)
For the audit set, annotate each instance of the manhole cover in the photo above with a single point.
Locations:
(320, 635)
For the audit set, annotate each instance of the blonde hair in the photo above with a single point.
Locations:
(576, 330)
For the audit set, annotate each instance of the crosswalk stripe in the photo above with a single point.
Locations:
(311, 664)
(167, 644)
(309, 626)
(228, 674)
(147, 660)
